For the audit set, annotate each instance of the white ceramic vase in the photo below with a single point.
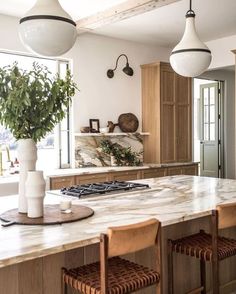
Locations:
(113, 161)
(35, 193)
(27, 155)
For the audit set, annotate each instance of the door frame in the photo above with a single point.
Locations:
(221, 107)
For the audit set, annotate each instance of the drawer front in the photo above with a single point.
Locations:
(89, 179)
(124, 176)
(173, 171)
(191, 170)
(61, 182)
(154, 173)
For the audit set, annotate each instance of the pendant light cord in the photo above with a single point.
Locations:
(190, 12)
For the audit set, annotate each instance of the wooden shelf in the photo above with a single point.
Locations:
(109, 134)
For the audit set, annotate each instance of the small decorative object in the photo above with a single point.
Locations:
(191, 56)
(128, 122)
(123, 156)
(94, 125)
(27, 154)
(85, 129)
(65, 204)
(47, 29)
(127, 69)
(35, 193)
(104, 130)
(31, 104)
(113, 161)
(111, 126)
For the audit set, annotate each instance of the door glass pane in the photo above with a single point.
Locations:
(212, 95)
(206, 133)
(205, 94)
(212, 113)
(212, 132)
(206, 114)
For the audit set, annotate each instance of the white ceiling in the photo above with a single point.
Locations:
(163, 26)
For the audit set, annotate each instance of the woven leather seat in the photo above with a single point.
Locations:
(200, 246)
(123, 277)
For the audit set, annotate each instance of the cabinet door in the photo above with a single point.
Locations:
(154, 173)
(190, 170)
(124, 176)
(173, 171)
(61, 182)
(89, 179)
(168, 142)
(183, 119)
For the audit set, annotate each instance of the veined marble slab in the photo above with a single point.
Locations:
(89, 153)
(170, 199)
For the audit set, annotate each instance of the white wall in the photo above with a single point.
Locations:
(101, 97)
(229, 117)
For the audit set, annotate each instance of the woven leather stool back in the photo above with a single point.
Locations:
(131, 238)
(226, 215)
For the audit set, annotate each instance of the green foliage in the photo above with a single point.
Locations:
(33, 102)
(123, 156)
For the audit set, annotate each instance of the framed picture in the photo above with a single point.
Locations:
(94, 125)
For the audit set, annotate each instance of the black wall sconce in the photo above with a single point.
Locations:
(127, 69)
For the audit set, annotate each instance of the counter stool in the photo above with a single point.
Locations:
(206, 247)
(113, 274)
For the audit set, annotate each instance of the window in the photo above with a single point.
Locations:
(54, 149)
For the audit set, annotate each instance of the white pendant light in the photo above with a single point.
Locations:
(191, 56)
(47, 29)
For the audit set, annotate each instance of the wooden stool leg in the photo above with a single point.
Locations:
(203, 276)
(63, 284)
(170, 268)
(215, 277)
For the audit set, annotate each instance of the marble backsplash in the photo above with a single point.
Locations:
(88, 152)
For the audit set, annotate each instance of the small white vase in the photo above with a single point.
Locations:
(35, 193)
(27, 155)
(113, 161)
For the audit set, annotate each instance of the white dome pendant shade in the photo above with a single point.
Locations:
(47, 29)
(191, 56)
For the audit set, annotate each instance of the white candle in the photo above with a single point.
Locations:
(65, 204)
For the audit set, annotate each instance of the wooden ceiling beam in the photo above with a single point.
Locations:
(119, 12)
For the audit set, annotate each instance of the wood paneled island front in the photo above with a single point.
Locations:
(31, 256)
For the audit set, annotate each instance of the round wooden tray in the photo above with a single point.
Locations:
(52, 216)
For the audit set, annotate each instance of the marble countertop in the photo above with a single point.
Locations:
(170, 199)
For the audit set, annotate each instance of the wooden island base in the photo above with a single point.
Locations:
(42, 275)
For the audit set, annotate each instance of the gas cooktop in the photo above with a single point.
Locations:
(101, 188)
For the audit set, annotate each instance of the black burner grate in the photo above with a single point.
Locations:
(101, 188)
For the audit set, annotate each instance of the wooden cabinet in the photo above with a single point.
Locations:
(166, 114)
(92, 178)
(155, 172)
(60, 182)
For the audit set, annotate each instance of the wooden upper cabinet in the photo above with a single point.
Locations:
(166, 114)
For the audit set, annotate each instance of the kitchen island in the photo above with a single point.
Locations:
(31, 256)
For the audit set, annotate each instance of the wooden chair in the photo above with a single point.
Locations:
(207, 248)
(113, 274)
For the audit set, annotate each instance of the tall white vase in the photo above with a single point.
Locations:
(27, 155)
(35, 192)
